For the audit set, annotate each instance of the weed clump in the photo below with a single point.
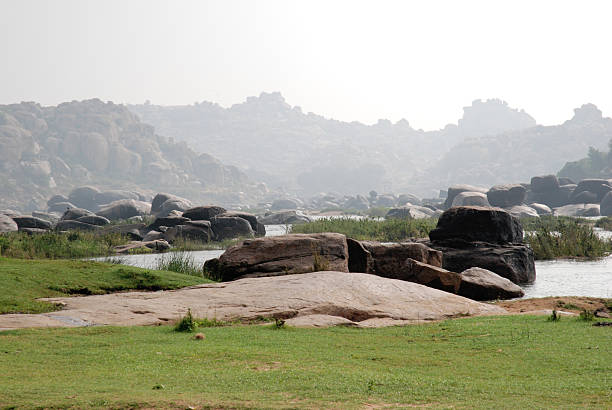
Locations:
(587, 315)
(179, 262)
(187, 323)
(554, 316)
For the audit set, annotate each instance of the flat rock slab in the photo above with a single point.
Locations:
(309, 299)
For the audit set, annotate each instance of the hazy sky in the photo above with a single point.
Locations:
(350, 60)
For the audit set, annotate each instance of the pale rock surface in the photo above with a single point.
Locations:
(310, 299)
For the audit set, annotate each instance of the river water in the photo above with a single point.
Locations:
(553, 278)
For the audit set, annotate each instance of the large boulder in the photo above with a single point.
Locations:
(511, 261)
(599, 187)
(56, 199)
(31, 222)
(174, 204)
(411, 212)
(285, 218)
(405, 199)
(282, 255)
(541, 209)
(73, 214)
(580, 210)
(605, 208)
(7, 224)
(482, 284)
(93, 220)
(554, 197)
(167, 221)
(505, 196)
(106, 197)
(357, 203)
(281, 204)
(430, 276)
(195, 231)
(473, 223)
(258, 228)
(133, 231)
(387, 259)
(61, 207)
(545, 183)
(456, 190)
(584, 197)
(231, 227)
(203, 213)
(124, 209)
(51, 217)
(70, 225)
(158, 201)
(84, 197)
(471, 199)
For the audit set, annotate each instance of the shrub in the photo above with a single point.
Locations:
(187, 323)
(554, 316)
(179, 262)
(587, 315)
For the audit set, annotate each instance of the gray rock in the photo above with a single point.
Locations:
(203, 213)
(577, 210)
(56, 199)
(106, 197)
(124, 209)
(31, 222)
(231, 227)
(84, 197)
(71, 225)
(73, 214)
(405, 199)
(541, 209)
(61, 207)
(600, 187)
(168, 221)
(53, 218)
(523, 211)
(482, 284)
(286, 217)
(505, 196)
(281, 204)
(7, 224)
(410, 212)
(456, 190)
(195, 232)
(93, 220)
(174, 205)
(605, 207)
(584, 197)
(153, 236)
(471, 199)
(545, 183)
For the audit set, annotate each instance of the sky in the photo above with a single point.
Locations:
(349, 60)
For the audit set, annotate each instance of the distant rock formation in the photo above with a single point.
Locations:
(45, 149)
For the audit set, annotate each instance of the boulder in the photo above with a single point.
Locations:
(545, 183)
(53, 218)
(356, 299)
(285, 218)
(201, 232)
(73, 214)
(93, 220)
(282, 255)
(552, 198)
(511, 261)
(134, 247)
(482, 284)
(456, 190)
(584, 197)
(281, 204)
(605, 208)
(411, 212)
(72, 225)
(168, 221)
(430, 276)
(385, 201)
(106, 197)
(204, 213)
(473, 223)
(61, 207)
(600, 187)
(387, 259)
(357, 203)
(177, 204)
(505, 196)
(158, 200)
(9, 212)
(153, 236)
(56, 199)
(231, 227)
(405, 199)
(7, 224)
(579, 210)
(258, 228)
(541, 209)
(566, 181)
(471, 199)
(359, 259)
(523, 211)
(31, 222)
(124, 209)
(132, 231)
(84, 197)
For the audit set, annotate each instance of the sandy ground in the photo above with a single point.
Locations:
(572, 304)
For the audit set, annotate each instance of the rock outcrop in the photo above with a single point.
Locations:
(281, 255)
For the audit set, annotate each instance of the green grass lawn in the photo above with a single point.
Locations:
(22, 281)
(495, 362)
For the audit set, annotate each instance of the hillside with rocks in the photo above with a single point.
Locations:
(307, 153)
(50, 150)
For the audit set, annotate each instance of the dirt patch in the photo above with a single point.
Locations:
(565, 303)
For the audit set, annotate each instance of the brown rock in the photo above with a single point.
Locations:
(431, 276)
(388, 258)
(482, 284)
(282, 255)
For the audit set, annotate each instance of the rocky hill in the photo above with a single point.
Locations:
(46, 150)
(280, 144)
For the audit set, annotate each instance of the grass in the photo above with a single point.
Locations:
(553, 238)
(58, 245)
(23, 281)
(390, 230)
(494, 362)
(179, 262)
(604, 223)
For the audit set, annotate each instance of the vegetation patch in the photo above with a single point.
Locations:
(552, 238)
(387, 230)
(441, 365)
(179, 262)
(23, 281)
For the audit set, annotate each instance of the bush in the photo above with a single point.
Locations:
(587, 315)
(179, 262)
(186, 324)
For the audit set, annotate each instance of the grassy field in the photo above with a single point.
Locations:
(496, 362)
(388, 230)
(25, 280)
